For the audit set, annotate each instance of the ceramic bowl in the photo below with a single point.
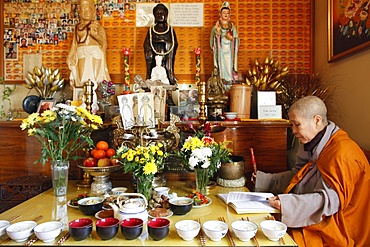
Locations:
(158, 228)
(118, 191)
(215, 229)
(187, 229)
(3, 225)
(131, 228)
(20, 231)
(159, 191)
(181, 205)
(80, 228)
(244, 230)
(231, 115)
(90, 205)
(107, 228)
(273, 230)
(48, 231)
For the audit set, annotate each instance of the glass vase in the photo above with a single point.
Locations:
(144, 186)
(201, 180)
(59, 175)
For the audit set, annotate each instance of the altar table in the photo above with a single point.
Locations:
(56, 208)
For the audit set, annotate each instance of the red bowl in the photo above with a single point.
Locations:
(131, 228)
(158, 228)
(80, 228)
(107, 228)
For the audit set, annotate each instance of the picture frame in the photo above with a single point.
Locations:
(45, 105)
(78, 94)
(348, 28)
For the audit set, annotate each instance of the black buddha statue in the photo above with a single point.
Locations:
(161, 41)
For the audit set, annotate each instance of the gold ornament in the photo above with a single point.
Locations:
(267, 75)
(45, 81)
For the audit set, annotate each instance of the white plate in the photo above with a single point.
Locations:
(71, 205)
(204, 205)
(169, 214)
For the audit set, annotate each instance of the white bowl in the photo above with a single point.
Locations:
(187, 229)
(273, 230)
(215, 229)
(3, 225)
(20, 231)
(244, 230)
(231, 115)
(48, 231)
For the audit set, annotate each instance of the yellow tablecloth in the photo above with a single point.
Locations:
(55, 208)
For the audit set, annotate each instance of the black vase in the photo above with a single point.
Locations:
(31, 103)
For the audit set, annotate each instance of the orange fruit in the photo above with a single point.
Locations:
(102, 145)
(110, 152)
(99, 154)
(92, 152)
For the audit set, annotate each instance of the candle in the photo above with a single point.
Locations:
(126, 63)
(197, 65)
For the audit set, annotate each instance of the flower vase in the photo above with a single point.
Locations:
(144, 186)
(59, 175)
(201, 180)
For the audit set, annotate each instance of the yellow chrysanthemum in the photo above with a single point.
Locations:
(130, 157)
(150, 168)
(31, 132)
(160, 152)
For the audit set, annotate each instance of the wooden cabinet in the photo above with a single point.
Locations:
(268, 138)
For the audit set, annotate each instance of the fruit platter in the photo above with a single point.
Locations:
(99, 165)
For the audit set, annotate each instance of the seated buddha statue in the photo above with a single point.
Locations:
(215, 90)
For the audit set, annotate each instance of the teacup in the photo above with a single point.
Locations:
(118, 191)
(159, 191)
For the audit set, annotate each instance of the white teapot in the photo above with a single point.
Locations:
(130, 207)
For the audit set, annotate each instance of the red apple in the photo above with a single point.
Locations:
(115, 162)
(103, 162)
(90, 162)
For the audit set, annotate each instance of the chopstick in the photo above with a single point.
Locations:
(270, 217)
(14, 218)
(64, 238)
(228, 232)
(254, 238)
(201, 234)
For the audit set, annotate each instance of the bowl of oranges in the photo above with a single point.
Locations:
(99, 165)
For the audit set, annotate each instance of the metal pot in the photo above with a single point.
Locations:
(232, 170)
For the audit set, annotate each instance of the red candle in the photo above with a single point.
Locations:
(197, 64)
(126, 63)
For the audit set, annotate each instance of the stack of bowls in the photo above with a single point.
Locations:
(3, 225)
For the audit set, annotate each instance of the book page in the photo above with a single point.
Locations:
(247, 196)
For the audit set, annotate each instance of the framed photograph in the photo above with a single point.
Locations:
(78, 94)
(45, 105)
(11, 50)
(349, 27)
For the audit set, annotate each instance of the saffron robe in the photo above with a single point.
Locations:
(335, 211)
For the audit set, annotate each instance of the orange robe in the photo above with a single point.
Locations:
(345, 168)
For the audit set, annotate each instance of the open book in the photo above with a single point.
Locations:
(249, 202)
